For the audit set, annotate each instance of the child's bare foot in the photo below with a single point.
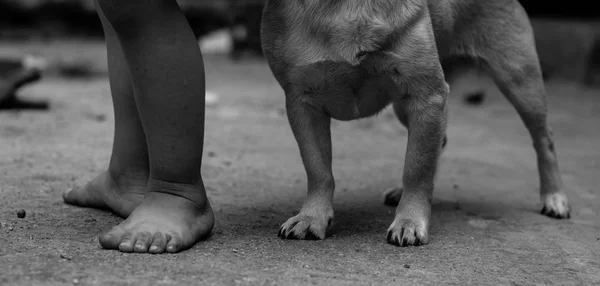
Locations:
(120, 195)
(172, 218)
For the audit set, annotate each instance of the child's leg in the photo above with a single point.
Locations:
(167, 73)
(121, 188)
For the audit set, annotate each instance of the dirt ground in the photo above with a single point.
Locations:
(486, 227)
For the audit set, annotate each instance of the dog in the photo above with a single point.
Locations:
(349, 59)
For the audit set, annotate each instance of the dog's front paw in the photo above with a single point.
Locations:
(305, 227)
(392, 196)
(407, 232)
(556, 205)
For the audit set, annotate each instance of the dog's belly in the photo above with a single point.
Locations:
(344, 91)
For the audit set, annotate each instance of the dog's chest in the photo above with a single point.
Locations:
(345, 91)
(333, 53)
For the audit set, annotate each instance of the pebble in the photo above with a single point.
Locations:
(406, 266)
(475, 98)
(21, 214)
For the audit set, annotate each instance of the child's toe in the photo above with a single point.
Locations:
(174, 244)
(159, 242)
(112, 239)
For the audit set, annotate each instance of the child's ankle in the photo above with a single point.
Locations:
(193, 192)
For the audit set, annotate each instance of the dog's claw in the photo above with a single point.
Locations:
(553, 214)
(291, 235)
(287, 233)
(556, 206)
(417, 241)
(406, 233)
(304, 227)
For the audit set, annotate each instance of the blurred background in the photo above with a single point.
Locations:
(568, 36)
(62, 37)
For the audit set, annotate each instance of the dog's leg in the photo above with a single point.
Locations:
(426, 113)
(521, 82)
(311, 128)
(391, 197)
(516, 71)
(421, 104)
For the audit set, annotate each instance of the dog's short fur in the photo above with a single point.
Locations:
(349, 59)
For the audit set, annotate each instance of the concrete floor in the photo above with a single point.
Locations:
(485, 227)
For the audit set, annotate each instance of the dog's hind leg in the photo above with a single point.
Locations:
(512, 62)
(311, 128)
(392, 196)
